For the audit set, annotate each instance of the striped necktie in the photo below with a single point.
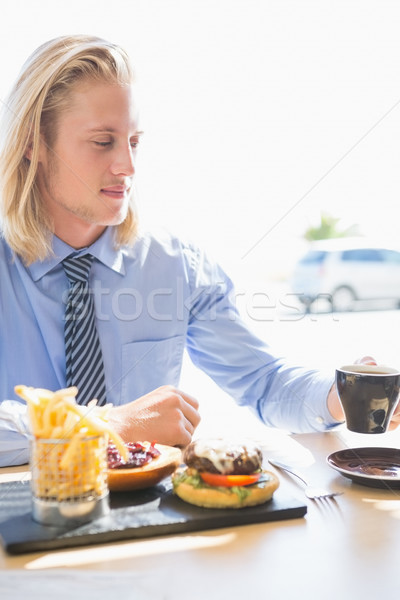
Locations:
(84, 360)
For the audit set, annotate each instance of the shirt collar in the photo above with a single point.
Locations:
(103, 249)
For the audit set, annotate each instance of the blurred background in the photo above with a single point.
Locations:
(263, 120)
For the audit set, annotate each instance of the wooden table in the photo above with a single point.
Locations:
(349, 549)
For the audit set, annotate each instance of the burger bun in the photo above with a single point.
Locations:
(223, 497)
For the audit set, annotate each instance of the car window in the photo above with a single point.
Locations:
(313, 257)
(391, 256)
(363, 255)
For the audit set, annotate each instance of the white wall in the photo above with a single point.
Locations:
(257, 113)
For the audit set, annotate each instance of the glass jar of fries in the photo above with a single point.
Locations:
(68, 455)
(69, 479)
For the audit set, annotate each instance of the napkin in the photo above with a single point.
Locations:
(14, 434)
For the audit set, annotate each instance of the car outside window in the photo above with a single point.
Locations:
(391, 256)
(362, 255)
(315, 257)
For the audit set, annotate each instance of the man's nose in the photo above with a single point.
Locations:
(124, 162)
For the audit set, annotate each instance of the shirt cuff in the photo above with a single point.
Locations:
(318, 415)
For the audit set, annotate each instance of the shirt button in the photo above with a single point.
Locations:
(319, 420)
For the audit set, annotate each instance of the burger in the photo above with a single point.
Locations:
(221, 474)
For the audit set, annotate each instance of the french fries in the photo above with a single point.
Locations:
(56, 415)
(69, 456)
(61, 475)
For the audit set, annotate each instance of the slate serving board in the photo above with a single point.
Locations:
(139, 514)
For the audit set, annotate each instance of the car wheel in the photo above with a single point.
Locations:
(306, 302)
(343, 299)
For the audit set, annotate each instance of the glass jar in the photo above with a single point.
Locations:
(69, 479)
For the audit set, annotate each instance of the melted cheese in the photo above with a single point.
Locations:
(217, 452)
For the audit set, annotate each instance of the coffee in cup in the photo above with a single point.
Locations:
(368, 394)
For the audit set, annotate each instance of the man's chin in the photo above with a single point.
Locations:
(116, 218)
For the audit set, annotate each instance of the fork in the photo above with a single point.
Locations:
(312, 492)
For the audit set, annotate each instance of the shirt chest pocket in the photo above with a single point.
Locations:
(147, 365)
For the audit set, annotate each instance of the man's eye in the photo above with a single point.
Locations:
(102, 144)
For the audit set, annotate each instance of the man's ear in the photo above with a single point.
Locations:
(29, 151)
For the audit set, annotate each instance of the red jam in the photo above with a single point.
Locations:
(139, 455)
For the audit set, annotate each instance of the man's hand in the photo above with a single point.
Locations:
(166, 416)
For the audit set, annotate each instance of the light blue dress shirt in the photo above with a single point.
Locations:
(152, 301)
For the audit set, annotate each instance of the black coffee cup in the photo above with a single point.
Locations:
(368, 394)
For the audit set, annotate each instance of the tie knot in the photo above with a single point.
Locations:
(77, 268)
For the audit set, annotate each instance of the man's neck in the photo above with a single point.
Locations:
(80, 237)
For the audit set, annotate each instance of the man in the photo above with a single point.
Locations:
(69, 140)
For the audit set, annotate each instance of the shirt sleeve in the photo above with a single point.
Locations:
(220, 343)
(14, 437)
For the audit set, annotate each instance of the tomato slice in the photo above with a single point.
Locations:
(229, 480)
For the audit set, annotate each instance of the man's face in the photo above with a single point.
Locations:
(85, 178)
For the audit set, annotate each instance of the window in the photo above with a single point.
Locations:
(315, 257)
(362, 255)
(391, 256)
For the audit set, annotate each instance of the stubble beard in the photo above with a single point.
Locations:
(83, 212)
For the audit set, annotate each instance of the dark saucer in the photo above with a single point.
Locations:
(374, 467)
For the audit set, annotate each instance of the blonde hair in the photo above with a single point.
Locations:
(39, 95)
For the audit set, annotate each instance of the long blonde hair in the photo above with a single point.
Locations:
(40, 93)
